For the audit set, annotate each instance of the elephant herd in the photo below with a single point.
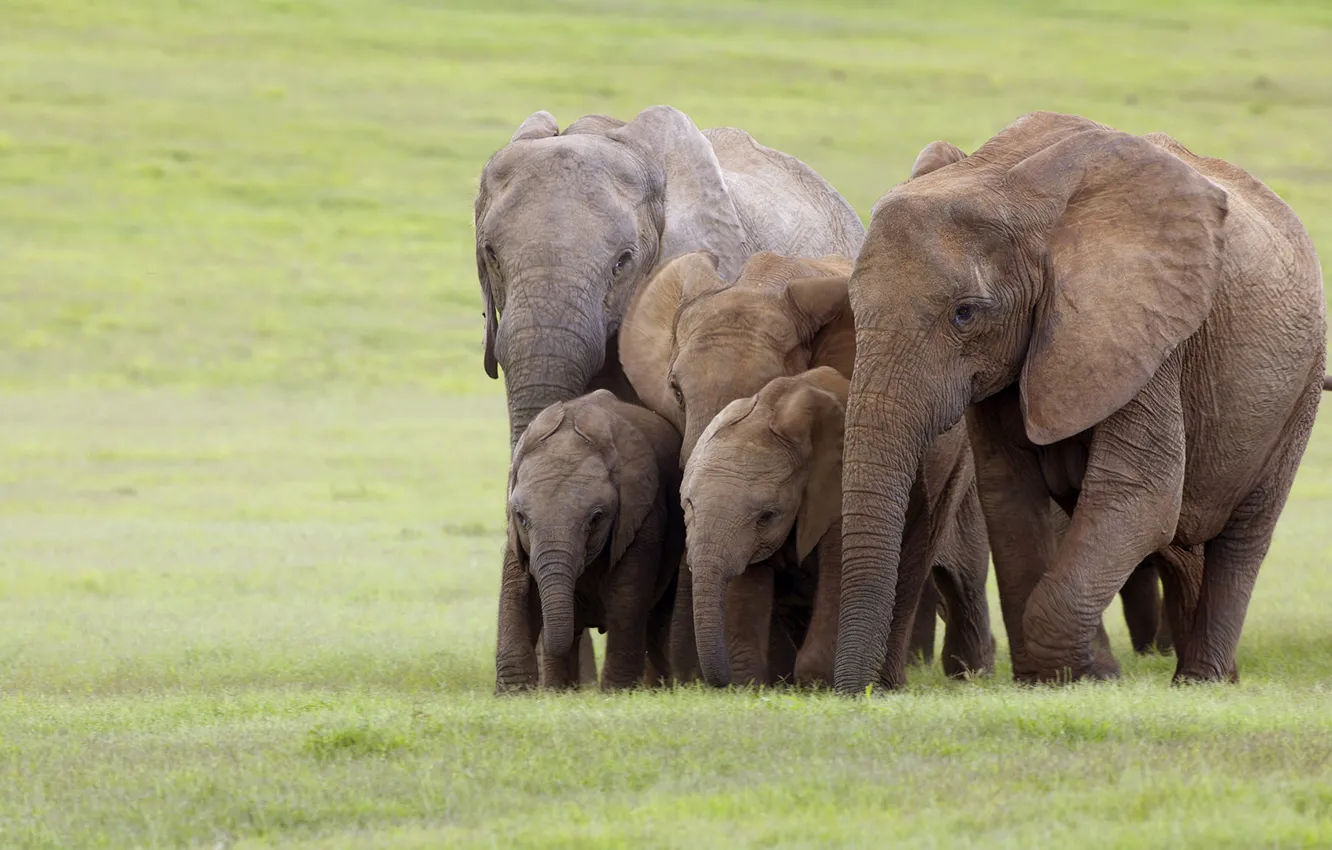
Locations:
(753, 442)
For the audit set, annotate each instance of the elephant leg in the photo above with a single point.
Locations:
(1181, 580)
(1022, 522)
(814, 663)
(587, 660)
(921, 648)
(657, 671)
(1141, 597)
(628, 604)
(782, 652)
(683, 650)
(963, 565)
(1128, 507)
(749, 623)
(516, 664)
(1232, 558)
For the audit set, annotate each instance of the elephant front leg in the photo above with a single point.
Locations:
(516, 666)
(814, 662)
(633, 580)
(561, 672)
(921, 647)
(1128, 507)
(748, 623)
(1021, 520)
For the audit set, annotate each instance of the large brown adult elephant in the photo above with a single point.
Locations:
(569, 224)
(1130, 329)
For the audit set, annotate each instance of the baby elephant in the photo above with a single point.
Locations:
(765, 475)
(595, 540)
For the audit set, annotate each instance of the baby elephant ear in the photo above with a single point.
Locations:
(817, 301)
(648, 330)
(814, 411)
(936, 155)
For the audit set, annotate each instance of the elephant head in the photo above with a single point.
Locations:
(1063, 259)
(767, 467)
(567, 226)
(692, 343)
(582, 482)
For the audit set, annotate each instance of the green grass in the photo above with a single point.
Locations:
(251, 472)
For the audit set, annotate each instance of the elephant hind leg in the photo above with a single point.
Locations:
(921, 648)
(1141, 597)
(587, 660)
(963, 565)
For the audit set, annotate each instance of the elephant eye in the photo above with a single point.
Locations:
(765, 518)
(963, 314)
(679, 396)
(595, 518)
(521, 518)
(489, 251)
(622, 262)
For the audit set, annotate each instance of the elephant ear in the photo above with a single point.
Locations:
(490, 314)
(934, 156)
(1133, 259)
(816, 301)
(632, 461)
(648, 331)
(699, 211)
(813, 413)
(539, 125)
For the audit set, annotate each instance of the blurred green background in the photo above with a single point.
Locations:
(251, 471)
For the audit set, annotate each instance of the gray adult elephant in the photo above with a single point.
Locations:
(1135, 333)
(569, 224)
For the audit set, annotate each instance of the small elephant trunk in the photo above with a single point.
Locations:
(555, 584)
(714, 658)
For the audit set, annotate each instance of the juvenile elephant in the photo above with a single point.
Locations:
(569, 224)
(693, 343)
(764, 476)
(1130, 329)
(595, 538)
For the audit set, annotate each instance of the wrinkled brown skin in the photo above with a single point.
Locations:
(1143, 337)
(570, 223)
(595, 539)
(693, 343)
(765, 476)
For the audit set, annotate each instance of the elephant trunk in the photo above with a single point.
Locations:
(550, 353)
(710, 585)
(555, 577)
(884, 445)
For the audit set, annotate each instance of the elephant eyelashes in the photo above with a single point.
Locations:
(623, 263)
(679, 396)
(595, 519)
(765, 517)
(963, 315)
(521, 518)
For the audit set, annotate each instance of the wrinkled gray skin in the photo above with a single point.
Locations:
(1132, 331)
(595, 537)
(569, 224)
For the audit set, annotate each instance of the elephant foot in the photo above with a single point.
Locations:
(814, 667)
(1050, 670)
(1200, 673)
(511, 688)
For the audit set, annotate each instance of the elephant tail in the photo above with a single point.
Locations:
(1327, 383)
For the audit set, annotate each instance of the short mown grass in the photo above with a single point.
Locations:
(251, 472)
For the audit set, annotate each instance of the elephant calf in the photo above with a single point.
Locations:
(764, 476)
(692, 343)
(595, 540)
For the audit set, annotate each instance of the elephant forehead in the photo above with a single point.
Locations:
(584, 165)
(563, 457)
(736, 318)
(746, 451)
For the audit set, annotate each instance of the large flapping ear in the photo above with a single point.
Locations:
(1133, 259)
(593, 125)
(648, 330)
(816, 301)
(699, 213)
(812, 412)
(539, 125)
(936, 155)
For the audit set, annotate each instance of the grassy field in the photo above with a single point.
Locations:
(251, 471)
